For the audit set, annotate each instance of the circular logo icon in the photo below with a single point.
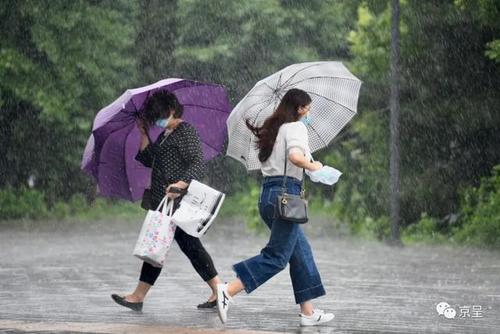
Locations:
(450, 313)
(441, 307)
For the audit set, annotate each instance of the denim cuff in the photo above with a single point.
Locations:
(309, 293)
(245, 276)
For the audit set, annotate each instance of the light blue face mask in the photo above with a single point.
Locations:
(306, 119)
(162, 122)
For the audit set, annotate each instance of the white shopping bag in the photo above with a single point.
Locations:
(156, 235)
(198, 208)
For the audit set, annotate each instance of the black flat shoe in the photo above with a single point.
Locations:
(121, 300)
(208, 304)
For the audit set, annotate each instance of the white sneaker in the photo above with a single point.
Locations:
(318, 317)
(223, 300)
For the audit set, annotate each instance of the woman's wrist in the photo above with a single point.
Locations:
(310, 166)
(315, 165)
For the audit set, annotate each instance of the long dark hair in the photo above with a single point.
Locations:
(287, 111)
(160, 105)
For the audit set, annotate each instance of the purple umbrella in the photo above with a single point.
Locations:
(111, 148)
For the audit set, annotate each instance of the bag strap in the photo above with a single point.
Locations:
(171, 212)
(169, 205)
(161, 203)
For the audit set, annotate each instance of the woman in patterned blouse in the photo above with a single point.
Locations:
(176, 158)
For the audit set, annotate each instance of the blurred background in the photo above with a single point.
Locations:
(62, 61)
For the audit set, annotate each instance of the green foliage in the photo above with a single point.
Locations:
(449, 123)
(22, 203)
(361, 196)
(320, 205)
(65, 57)
(371, 42)
(77, 206)
(487, 13)
(155, 43)
(372, 228)
(493, 50)
(230, 207)
(60, 62)
(25, 203)
(102, 208)
(244, 204)
(239, 43)
(427, 230)
(249, 205)
(480, 213)
(61, 210)
(478, 224)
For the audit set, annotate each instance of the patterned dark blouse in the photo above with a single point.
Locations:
(174, 157)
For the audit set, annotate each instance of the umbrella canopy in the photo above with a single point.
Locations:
(111, 148)
(334, 92)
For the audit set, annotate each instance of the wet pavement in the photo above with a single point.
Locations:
(60, 281)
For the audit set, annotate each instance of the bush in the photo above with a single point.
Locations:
(370, 228)
(78, 203)
(245, 205)
(478, 221)
(22, 203)
(60, 210)
(427, 230)
(250, 208)
(480, 214)
(31, 204)
(105, 208)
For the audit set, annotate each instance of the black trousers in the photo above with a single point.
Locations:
(193, 249)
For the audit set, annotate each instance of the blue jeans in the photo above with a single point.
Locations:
(287, 244)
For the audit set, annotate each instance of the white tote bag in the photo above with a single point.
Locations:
(156, 235)
(198, 209)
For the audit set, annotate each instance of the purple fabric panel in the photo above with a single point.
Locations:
(137, 174)
(112, 176)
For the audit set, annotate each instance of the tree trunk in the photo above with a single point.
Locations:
(394, 125)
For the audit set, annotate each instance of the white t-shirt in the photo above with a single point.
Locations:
(291, 135)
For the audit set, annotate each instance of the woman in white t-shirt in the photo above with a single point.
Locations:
(282, 136)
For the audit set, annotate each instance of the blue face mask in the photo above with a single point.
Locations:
(162, 122)
(306, 119)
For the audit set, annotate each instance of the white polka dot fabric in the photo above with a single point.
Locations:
(334, 92)
(177, 157)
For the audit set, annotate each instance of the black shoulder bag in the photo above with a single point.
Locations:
(292, 208)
